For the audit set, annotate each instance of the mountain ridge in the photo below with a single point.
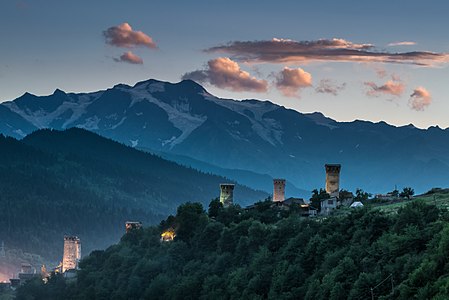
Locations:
(253, 135)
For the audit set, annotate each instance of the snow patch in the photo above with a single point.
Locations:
(236, 136)
(156, 87)
(268, 129)
(182, 105)
(42, 119)
(169, 141)
(134, 143)
(19, 132)
(178, 114)
(118, 124)
(91, 123)
(113, 116)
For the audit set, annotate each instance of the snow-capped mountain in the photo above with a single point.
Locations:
(184, 121)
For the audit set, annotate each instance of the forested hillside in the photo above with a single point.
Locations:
(267, 254)
(75, 182)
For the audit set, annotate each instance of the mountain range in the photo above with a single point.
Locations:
(250, 141)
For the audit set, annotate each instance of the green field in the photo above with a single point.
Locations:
(440, 199)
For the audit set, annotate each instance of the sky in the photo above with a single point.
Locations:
(377, 60)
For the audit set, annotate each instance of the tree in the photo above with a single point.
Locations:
(317, 197)
(361, 195)
(344, 194)
(395, 193)
(189, 218)
(407, 192)
(214, 208)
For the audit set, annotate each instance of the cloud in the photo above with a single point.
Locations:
(224, 73)
(130, 58)
(328, 50)
(290, 81)
(401, 44)
(123, 36)
(391, 87)
(326, 86)
(420, 99)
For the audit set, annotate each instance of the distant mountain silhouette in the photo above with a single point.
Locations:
(185, 123)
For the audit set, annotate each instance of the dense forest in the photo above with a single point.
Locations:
(267, 253)
(75, 182)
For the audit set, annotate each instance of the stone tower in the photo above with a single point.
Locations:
(227, 194)
(279, 189)
(333, 179)
(72, 253)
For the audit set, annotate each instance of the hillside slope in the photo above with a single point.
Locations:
(264, 254)
(75, 182)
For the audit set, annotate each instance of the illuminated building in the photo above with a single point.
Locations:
(333, 179)
(72, 253)
(168, 235)
(227, 194)
(132, 226)
(279, 190)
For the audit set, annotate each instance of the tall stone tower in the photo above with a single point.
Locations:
(279, 189)
(333, 179)
(227, 194)
(72, 253)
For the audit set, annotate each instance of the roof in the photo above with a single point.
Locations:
(330, 198)
(333, 165)
(293, 200)
(357, 204)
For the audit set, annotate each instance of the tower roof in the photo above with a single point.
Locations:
(333, 165)
(227, 184)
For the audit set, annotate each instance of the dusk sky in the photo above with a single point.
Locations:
(377, 60)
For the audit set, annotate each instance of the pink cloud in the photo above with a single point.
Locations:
(290, 81)
(420, 99)
(401, 44)
(130, 58)
(328, 50)
(124, 36)
(326, 86)
(391, 87)
(225, 73)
